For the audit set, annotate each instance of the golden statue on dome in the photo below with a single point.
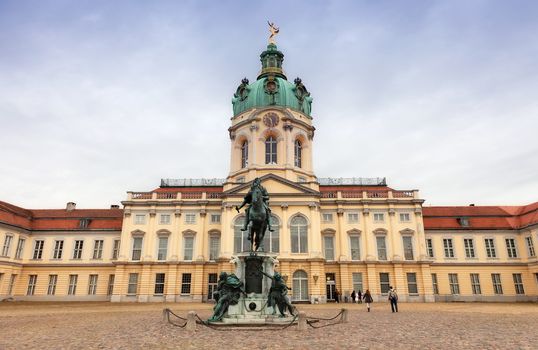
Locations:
(274, 31)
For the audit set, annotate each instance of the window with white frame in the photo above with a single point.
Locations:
(215, 218)
(412, 286)
(110, 288)
(98, 249)
(435, 286)
(77, 250)
(116, 249)
(352, 218)
(271, 240)
(518, 283)
(188, 248)
(164, 219)
(53, 279)
(7, 245)
(327, 217)
(300, 285)
(190, 218)
(270, 150)
(530, 246)
(497, 285)
(405, 217)
(12, 280)
(140, 219)
(92, 284)
(454, 284)
(381, 248)
(163, 248)
(354, 244)
(186, 280)
(38, 249)
(72, 289)
(159, 283)
(32, 281)
(299, 235)
(58, 249)
(511, 247)
(379, 217)
(212, 284)
(214, 247)
(137, 248)
(490, 248)
(357, 281)
(384, 282)
(408, 247)
(244, 154)
(468, 243)
(475, 283)
(241, 242)
(20, 248)
(429, 248)
(448, 247)
(132, 286)
(328, 246)
(298, 153)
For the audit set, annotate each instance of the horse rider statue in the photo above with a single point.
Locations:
(248, 200)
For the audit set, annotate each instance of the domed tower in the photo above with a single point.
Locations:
(272, 129)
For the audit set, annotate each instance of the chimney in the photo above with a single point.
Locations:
(114, 206)
(71, 206)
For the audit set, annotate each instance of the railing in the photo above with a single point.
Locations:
(377, 194)
(330, 194)
(191, 195)
(363, 181)
(352, 194)
(214, 195)
(167, 195)
(141, 195)
(402, 194)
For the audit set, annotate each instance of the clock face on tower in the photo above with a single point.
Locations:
(270, 120)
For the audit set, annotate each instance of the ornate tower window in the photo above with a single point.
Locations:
(270, 150)
(298, 153)
(244, 154)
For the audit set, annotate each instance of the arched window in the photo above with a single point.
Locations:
(298, 153)
(300, 286)
(270, 150)
(241, 243)
(244, 154)
(271, 240)
(299, 235)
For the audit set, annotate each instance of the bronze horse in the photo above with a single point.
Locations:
(257, 218)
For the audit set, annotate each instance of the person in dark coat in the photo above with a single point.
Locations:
(353, 294)
(359, 297)
(393, 298)
(368, 299)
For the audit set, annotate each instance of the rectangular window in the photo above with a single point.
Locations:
(38, 249)
(140, 219)
(381, 248)
(116, 249)
(58, 249)
(211, 286)
(518, 283)
(357, 281)
(186, 283)
(190, 218)
(72, 290)
(137, 248)
(511, 247)
(497, 285)
(490, 248)
(270, 151)
(384, 282)
(327, 217)
(354, 243)
(77, 251)
(20, 248)
(110, 288)
(92, 284)
(53, 279)
(454, 284)
(215, 218)
(188, 248)
(164, 219)
(408, 247)
(475, 283)
(328, 245)
(412, 287)
(132, 287)
(214, 247)
(530, 246)
(163, 248)
(7, 245)
(379, 217)
(11, 284)
(469, 247)
(352, 218)
(405, 217)
(449, 247)
(429, 247)
(98, 249)
(434, 284)
(32, 281)
(159, 283)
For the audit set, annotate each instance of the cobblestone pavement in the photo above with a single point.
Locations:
(25, 325)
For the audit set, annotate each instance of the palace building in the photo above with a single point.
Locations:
(330, 234)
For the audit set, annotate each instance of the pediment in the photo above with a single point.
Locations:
(274, 185)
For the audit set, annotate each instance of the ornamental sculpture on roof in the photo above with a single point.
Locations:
(274, 31)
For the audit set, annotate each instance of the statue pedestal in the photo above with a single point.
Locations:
(253, 308)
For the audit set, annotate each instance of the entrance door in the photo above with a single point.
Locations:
(331, 286)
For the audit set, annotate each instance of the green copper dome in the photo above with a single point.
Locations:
(272, 87)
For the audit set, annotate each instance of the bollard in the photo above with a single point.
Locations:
(344, 315)
(191, 321)
(165, 312)
(302, 321)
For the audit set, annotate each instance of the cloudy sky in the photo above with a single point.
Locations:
(101, 97)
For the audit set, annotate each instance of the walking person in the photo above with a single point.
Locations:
(337, 295)
(359, 297)
(368, 299)
(393, 298)
(353, 296)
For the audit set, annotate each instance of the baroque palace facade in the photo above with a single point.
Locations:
(170, 244)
